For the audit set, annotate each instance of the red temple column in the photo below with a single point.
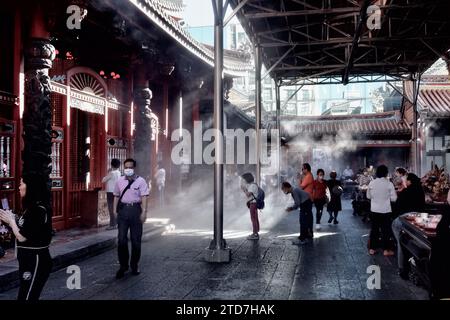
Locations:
(37, 117)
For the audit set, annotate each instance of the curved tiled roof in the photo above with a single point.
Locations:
(435, 101)
(170, 5)
(387, 123)
(155, 11)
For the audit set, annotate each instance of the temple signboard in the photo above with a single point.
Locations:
(86, 106)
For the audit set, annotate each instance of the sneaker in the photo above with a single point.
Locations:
(299, 242)
(254, 236)
(388, 253)
(318, 227)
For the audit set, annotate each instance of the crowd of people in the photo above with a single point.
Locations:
(389, 198)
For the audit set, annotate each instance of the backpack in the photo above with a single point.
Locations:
(260, 198)
(337, 190)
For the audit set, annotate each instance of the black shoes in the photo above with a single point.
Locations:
(121, 273)
(404, 274)
(135, 272)
(335, 221)
(330, 220)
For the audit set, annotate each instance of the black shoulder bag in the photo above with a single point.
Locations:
(119, 203)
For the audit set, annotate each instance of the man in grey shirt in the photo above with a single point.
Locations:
(303, 201)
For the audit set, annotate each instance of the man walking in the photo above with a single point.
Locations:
(303, 201)
(111, 180)
(131, 193)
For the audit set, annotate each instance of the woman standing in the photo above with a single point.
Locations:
(381, 193)
(400, 179)
(335, 205)
(33, 231)
(319, 195)
(250, 188)
(412, 197)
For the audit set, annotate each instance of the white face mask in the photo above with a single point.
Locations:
(128, 172)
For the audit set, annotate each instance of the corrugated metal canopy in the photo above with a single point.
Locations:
(331, 38)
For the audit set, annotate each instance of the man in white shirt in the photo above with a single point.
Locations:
(348, 173)
(381, 193)
(160, 177)
(110, 179)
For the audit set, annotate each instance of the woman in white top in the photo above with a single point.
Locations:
(250, 188)
(381, 193)
(110, 180)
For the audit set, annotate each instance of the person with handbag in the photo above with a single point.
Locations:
(250, 188)
(131, 193)
(335, 204)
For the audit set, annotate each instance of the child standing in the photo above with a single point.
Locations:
(250, 188)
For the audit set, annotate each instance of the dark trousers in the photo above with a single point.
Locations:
(333, 215)
(319, 209)
(129, 218)
(34, 268)
(110, 201)
(381, 228)
(306, 220)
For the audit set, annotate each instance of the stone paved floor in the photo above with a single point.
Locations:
(332, 267)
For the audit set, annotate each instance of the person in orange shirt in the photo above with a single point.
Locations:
(307, 181)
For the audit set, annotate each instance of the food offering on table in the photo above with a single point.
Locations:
(436, 184)
(424, 221)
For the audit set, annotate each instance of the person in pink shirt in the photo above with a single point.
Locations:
(130, 201)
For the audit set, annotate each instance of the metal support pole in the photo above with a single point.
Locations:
(258, 66)
(416, 86)
(278, 119)
(218, 250)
